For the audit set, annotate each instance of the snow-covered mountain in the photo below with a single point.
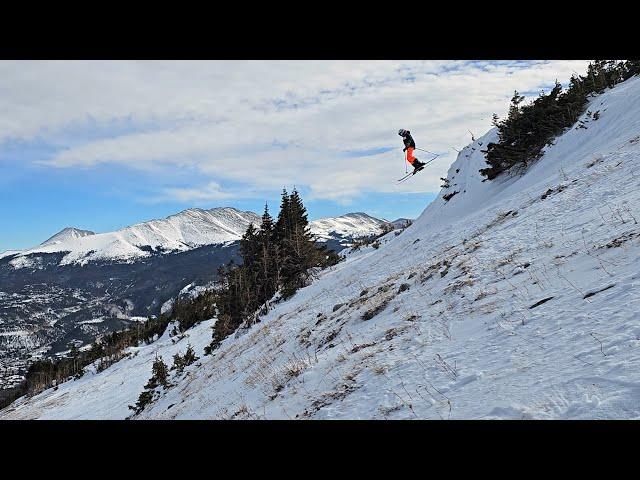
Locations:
(401, 222)
(513, 298)
(177, 233)
(66, 235)
(9, 253)
(349, 226)
(78, 285)
(181, 232)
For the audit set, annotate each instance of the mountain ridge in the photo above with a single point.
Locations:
(181, 231)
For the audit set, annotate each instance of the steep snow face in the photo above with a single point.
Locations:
(183, 231)
(517, 298)
(354, 225)
(618, 125)
(65, 235)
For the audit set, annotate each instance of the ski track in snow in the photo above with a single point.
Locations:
(521, 301)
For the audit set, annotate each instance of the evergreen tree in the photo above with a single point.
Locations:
(278, 256)
(283, 224)
(74, 356)
(248, 249)
(298, 210)
(189, 356)
(267, 256)
(159, 374)
(630, 68)
(182, 361)
(144, 399)
(300, 252)
(529, 128)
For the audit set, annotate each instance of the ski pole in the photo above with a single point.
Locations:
(432, 159)
(427, 151)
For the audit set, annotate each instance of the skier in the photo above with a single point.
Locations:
(409, 147)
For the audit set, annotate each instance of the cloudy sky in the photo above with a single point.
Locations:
(103, 144)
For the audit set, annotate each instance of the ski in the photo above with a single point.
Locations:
(410, 174)
(416, 171)
(406, 176)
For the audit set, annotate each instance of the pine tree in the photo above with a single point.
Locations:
(630, 68)
(189, 356)
(144, 399)
(74, 356)
(267, 255)
(283, 224)
(529, 128)
(299, 252)
(514, 108)
(298, 210)
(182, 361)
(159, 374)
(248, 249)
(278, 256)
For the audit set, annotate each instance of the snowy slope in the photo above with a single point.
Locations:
(119, 385)
(186, 230)
(352, 225)
(517, 298)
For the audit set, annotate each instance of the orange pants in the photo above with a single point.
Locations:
(410, 157)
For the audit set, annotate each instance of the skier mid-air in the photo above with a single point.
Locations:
(409, 147)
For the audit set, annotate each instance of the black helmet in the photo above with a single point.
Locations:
(402, 131)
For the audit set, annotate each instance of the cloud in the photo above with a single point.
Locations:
(210, 191)
(328, 126)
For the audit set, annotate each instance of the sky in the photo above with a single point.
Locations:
(101, 145)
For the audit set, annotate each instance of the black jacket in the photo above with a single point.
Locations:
(408, 141)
